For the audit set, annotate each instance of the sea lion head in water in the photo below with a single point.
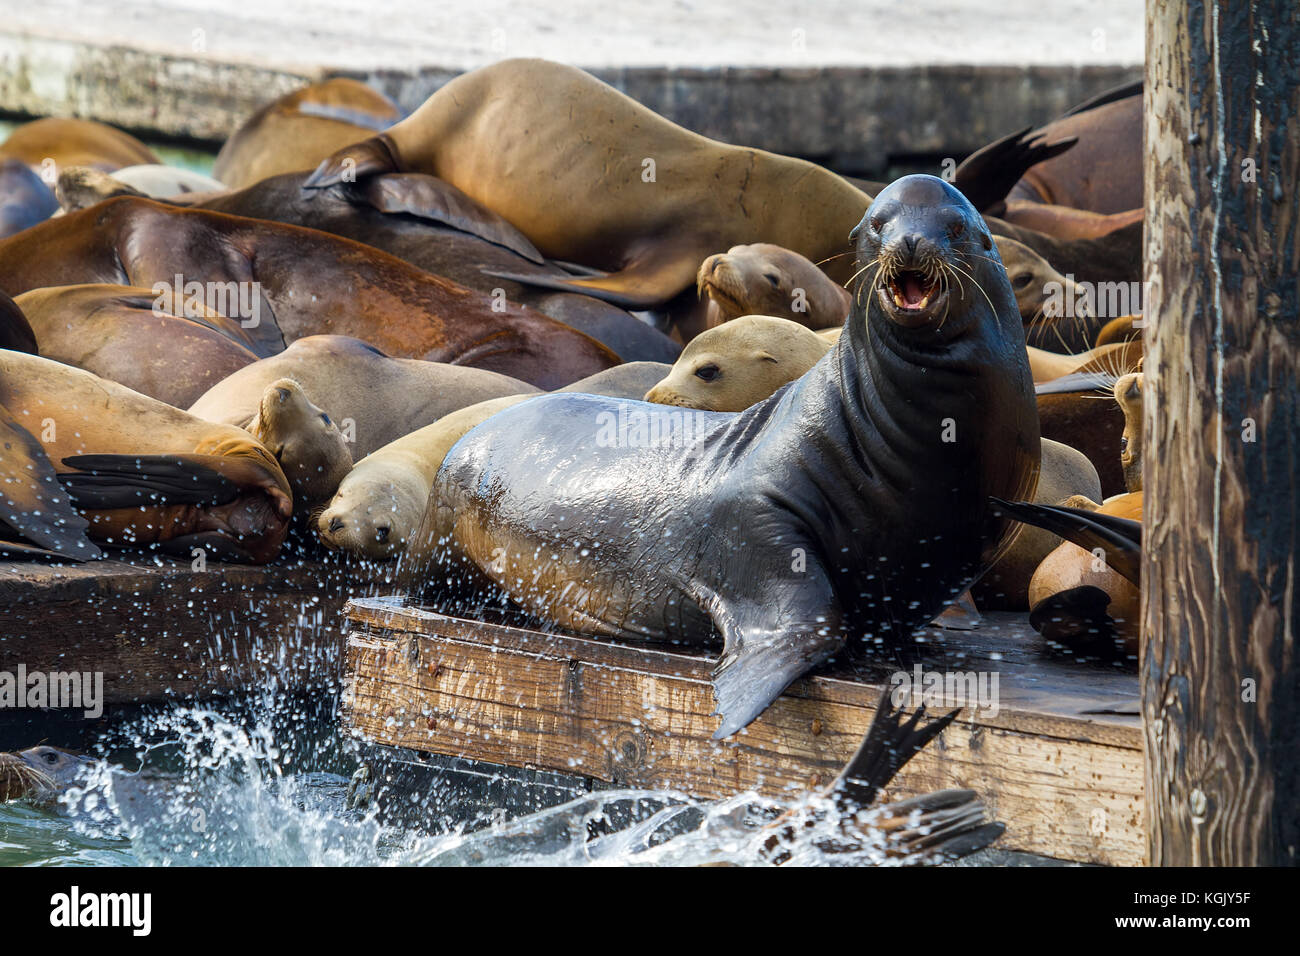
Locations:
(765, 279)
(39, 774)
(731, 367)
(846, 509)
(304, 440)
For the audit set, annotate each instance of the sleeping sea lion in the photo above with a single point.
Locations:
(168, 351)
(833, 512)
(74, 142)
(25, 199)
(763, 279)
(301, 128)
(86, 456)
(603, 181)
(382, 499)
(283, 283)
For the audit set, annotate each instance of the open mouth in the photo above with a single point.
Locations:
(911, 297)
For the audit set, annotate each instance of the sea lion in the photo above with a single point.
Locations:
(603, 181)
(729, 368)
(55, 142)
(25, 199)
(1042, 294)
(305, 441)
(168, 351)
(1064, 473)
(1128, 393)
(763, 279)
(1085, 594)
(40, 774)
(1049, 366)
(82, 186)
(86, 456)
(832, 512)
(383, 497)
(1113, 257)
(1103, 172)
(301, 128)
(1123, 329)
(15, 331)
(431, 224)
(376, 398)
(1064, 222)
(285, 282)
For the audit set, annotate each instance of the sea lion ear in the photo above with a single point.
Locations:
(858, 228)
(765, 356)
(986, 241)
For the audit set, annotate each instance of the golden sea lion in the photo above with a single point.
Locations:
(169, 351)
(763, 279)
(298, 130)
(74, 142)
(729, 368)
(90, 457)
(591, 176)
(1128, 393)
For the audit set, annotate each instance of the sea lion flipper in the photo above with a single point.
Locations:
(987, 175)
(32, 505)
(427, 197)
(1120, 539)
(353, 163)
(647, 282)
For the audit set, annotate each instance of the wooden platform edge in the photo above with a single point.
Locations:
(1070, 789)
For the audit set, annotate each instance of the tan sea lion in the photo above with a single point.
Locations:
(285, 282)
(82, 186)
(729, 368)
(86, 456)
(136, 338)
(298, 130)
(74, 142)
(1064, 222)
(763, 279)
(375, 398)
(1058, 312)
(1123, 329)
(603, 181)
(1128, 393)
(309, 447)
(382, 499)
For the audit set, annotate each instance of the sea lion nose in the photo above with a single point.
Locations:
(910, 242)
(336, 523)
(382, 533)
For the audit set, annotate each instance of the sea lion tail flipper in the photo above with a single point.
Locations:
(427, 197)
(32, 505)
(887, 745)
(647, 282)
(987, 175)
(353, 163)
(936, 827)
(1113, 95)
(1120, 539)
(757, 666)
(105, 482)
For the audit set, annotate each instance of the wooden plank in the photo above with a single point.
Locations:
(1067, 786)
(156, 628)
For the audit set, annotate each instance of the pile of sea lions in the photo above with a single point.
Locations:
(544, 346)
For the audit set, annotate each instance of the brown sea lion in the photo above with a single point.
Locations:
(368, 400)
(729, 368)
(1123, 329)
(284, 282)
(603, 181)
(832, 512)
(55, 142)
(763, 279)
(25, 198)
(298, 130)
(137, 338)
(381, 500)
(1039, 288)
(431, 224)
(1113, 257)
(1085, 595)
(1103, 172)
(87, 456)
(1064, 222)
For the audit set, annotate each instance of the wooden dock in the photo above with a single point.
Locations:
(1060, 762)
(157, 628)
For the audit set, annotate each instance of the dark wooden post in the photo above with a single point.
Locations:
(1221, 573)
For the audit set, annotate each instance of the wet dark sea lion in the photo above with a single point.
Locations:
(299, 282)
(833, 512)
(125, 335)
(25, 199)
(431, 224)
(301, 128)
(15, 331)
(591, 176)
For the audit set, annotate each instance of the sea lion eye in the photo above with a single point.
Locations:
(1123, 444)
(877, 224)
(1022, 280)
(50, 757)
(956, 229)
(708, 372)
(775, 280)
